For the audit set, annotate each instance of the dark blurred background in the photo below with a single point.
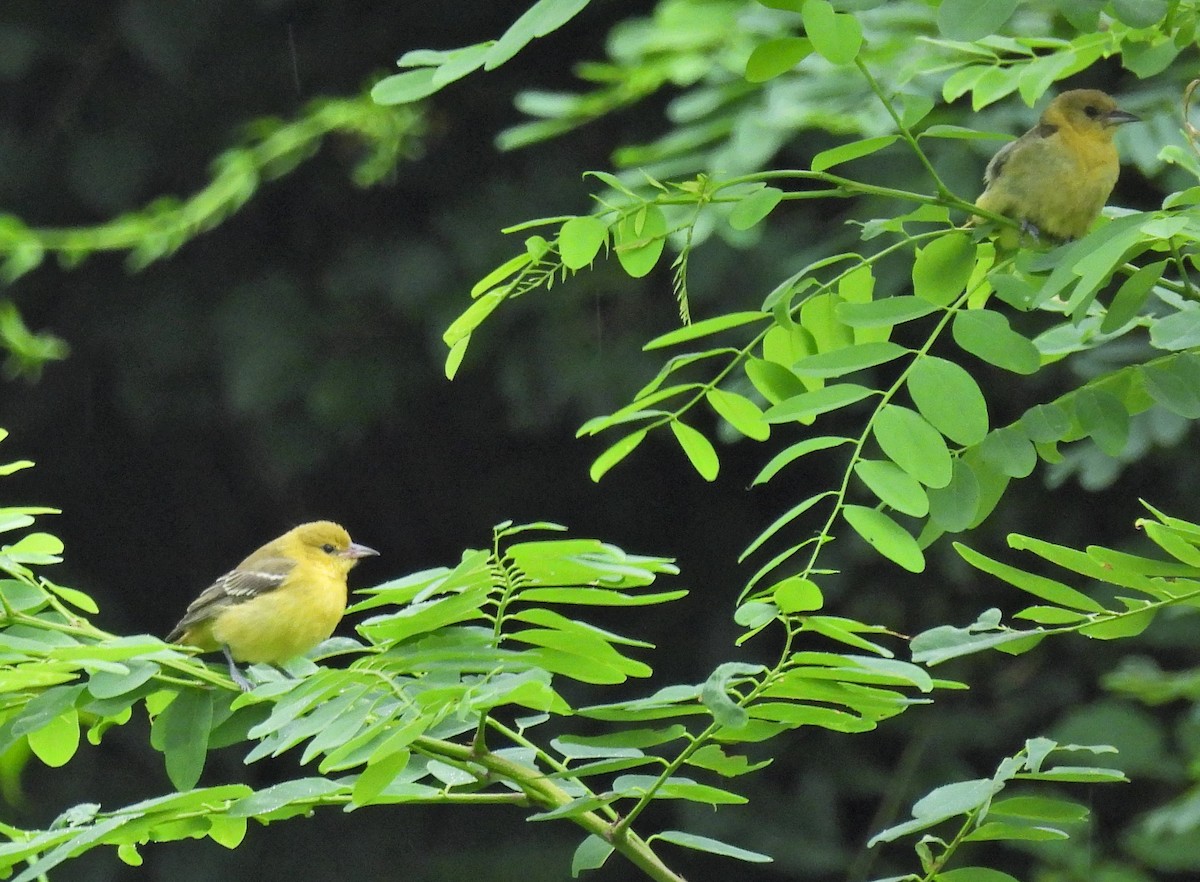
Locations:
(288, 366)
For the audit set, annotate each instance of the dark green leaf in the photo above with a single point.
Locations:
(181, 731)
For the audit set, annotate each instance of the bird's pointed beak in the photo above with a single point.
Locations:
(1120, 117)
(354, 551)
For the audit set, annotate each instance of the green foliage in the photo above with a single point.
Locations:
(271, 148)
(987, 818)
(912, 359)
(879, 363)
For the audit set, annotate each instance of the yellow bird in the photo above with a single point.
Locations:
(278, 603)
(1055, 179)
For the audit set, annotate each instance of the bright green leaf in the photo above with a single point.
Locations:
(827, 159)
(740, 412)
(913, 444)
(580, 239)
(699, 450)
(949, 398)
(836, 35)
(894, 486)
(775, 57)
(885, 536)
(943, 267)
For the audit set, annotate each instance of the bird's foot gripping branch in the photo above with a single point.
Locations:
(451, 695)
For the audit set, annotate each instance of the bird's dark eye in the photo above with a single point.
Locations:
(1092, 111)
(329, 548)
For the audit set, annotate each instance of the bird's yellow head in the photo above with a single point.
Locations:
(1087, 111)
(328, 543)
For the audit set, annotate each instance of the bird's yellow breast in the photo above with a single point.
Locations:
(282, 624)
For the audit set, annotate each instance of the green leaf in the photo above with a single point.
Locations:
(639, 238)
(1180, 330)
(776, 57)
(885, 536)
(1140, 13)
(406, 87)
(1128, 624)
(783, 520)
(986, 335)
(894, 486)
(774, 381)
(854, 150)
(677, 788)
(751, 209)
(615, 453)
(940, 804)
(1039, 586)
(1102, 416)
(713, 758)
(913, 444)
(945, 642)
(793, 452)
(590, 855)
(538, 20)
(740, 412)
(705, 328)
(1040, 808)
(969, 20)
(580, 240)
(699, 450)
(949, 398)
(56, 741)
(712, 846)
(797, 594)
(943, 267)
(1077, 775)
(181, 732)
(715, 693)
(1045, 423)
(848, 359)
(999, 831)
(1174, 383)
(295, 796)
(473, 316)
(500, 273)
(836, 35)
(1009, 452)
(975, 874)
(808, 405)
(377, 776)
(954, 507)
(1131, 296)
(884, 313)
